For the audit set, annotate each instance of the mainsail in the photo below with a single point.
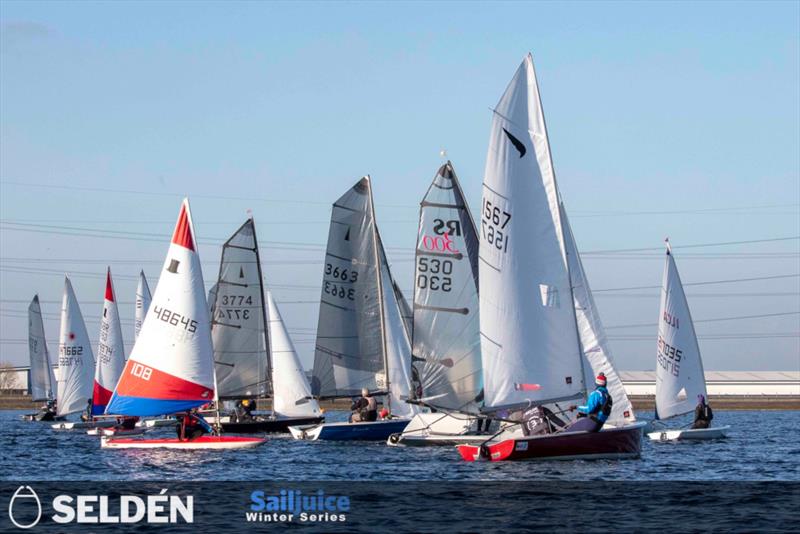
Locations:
(171, 367)
(291, 392)
(238, 326)
(143, 299)
(679, 367)
(110, 351)
(529, 341)
(405, 310)
(446, 333)
(349, 353)
(75, 359)
(42, 377)
(593, 336)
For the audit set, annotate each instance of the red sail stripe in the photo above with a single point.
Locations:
(109, 290)
(183, 230)
(100, 396)
(139, 380)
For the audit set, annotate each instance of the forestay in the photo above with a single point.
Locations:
(75, 359)
(593, 336)
(446, 333)
(171, 367)
(291, 392)
(679, 367)
(529, 341)
(349, 352)
(42, 378)
(239, 332)
(143, 299)
(110, 351)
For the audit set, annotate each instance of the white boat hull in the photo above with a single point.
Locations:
(205, 442)
(696, 434)
(115, 431)
(155, 423)
(438, 429)
(84, 425)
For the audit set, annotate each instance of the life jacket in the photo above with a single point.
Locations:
(601, 414)
(372, 404)
(708, 415)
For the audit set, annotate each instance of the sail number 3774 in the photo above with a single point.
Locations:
(494, 223)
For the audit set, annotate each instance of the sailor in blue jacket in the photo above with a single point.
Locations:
(595, 412)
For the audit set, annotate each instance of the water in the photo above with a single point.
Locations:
(762, 445)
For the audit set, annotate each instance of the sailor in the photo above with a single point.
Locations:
(364, 408)
(192, 426)
(126, 423)
(48, 411)
(702, 413)
(87, 414)
(595, 412)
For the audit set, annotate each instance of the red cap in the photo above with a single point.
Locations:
(600, 380)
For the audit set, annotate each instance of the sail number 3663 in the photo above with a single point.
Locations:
(494, 221)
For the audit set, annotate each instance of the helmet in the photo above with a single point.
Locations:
(364, 392)
(601, 379)
(246, 402)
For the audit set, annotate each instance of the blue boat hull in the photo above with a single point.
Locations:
(373, 431)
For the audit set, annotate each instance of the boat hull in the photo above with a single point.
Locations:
(156, 423)
(84, 425)
(203, 442)
(270, 425)
(437, 429)
(42, 418)
(613, 443)
(369, 431)
(115, 431)
(690, 434)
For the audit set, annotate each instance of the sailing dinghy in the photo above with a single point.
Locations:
(143, 299)
(362, 341)
(253, 355)
(76, 365)
(171, 366)
(679, 367)
(446, 357)
(43, 380)
(531, 347)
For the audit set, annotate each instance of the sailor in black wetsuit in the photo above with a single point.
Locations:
(702, 413)
(364, 408)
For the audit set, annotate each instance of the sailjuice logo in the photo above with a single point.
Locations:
(288, 506)
(23, 502)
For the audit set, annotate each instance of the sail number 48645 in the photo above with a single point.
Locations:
(494, 221)
(175, 319)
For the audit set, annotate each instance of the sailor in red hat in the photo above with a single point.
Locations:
(595, 412)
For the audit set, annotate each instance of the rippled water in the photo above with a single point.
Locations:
(762, 445)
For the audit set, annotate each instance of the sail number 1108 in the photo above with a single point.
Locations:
(494, 221)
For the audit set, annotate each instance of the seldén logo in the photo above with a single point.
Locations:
(25, 509)
(21, 500)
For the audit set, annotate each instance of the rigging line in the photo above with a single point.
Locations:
(709, 282)
(714, 320)
(696, 245)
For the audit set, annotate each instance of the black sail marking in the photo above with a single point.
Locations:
(173, 266)
(517, 143)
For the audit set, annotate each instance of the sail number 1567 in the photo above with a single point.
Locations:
(493, 225)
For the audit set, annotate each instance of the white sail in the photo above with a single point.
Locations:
(42, 378)
(679, 367)
(529, 342)
(238, 321)
(291, 391)
(349, 352)
(446, 334)
(75, 359)
(110, 351)
(593, 336)
(143, 299)
(398, 345)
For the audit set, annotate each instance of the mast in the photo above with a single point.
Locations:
(267, 345)
(379, 274)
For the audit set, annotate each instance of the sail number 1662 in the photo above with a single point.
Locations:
(494, 221)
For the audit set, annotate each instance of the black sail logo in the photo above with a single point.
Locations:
(517, 143)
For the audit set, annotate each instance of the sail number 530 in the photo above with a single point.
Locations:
(494, 221)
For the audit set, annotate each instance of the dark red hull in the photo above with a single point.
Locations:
(625, 442)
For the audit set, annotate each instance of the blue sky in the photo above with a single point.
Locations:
(679, 119)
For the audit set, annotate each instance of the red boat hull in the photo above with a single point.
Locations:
(625, 442)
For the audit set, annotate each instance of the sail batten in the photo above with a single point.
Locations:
(446, 334)
(530, 347)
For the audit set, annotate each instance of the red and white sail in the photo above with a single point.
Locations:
(110, 351)
(75, 359)
(171, 366)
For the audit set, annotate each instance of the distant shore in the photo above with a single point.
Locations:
(642, 403)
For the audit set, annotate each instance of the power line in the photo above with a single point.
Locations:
(696, 245)
(714, 320)
(710, 282)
